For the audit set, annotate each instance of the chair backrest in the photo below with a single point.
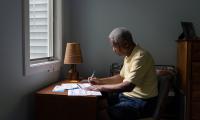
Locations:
(115, 68)
(164, 84)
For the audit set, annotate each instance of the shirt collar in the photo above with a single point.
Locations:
(135, 49)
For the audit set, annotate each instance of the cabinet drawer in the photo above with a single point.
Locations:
(195, 80)
(195, 94)
(195, 73)
(195, 51)
(195, 106)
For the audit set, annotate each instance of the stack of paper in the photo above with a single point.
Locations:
(84, 85)
(75, 89)
(67, 86)
(82, 92)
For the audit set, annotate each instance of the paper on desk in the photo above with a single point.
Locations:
(84, 85)
(58, 88)
(63, 87)
(82, 92)
(75, 89)
(69, 86)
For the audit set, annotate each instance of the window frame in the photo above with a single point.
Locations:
(49, 64)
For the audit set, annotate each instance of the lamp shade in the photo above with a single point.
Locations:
(73, 54)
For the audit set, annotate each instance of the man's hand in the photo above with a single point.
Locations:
(93, 80)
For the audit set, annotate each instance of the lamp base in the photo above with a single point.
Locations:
(73, 75)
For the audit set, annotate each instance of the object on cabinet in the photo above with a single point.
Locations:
(188, 30)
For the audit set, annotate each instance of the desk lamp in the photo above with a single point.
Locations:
(73, 56)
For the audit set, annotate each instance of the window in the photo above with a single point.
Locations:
(42, 35)
(41, 28)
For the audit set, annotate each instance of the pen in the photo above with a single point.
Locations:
(79, 86)
(91, 76)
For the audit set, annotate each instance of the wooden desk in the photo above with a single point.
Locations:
(59, 106)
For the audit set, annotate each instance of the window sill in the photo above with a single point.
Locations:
(48, 66)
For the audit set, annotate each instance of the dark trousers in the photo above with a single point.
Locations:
(121, 107)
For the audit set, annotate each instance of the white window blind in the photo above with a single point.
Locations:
(41, 28)
(42, 53)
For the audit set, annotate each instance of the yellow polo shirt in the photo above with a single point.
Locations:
(138, 68)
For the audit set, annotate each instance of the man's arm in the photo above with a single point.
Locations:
(125, 86)
(108, 80)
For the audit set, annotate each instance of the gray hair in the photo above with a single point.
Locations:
(118, 35)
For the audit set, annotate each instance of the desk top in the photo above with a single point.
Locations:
(48, 90)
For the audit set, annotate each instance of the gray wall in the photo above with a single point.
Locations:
(16, 91)
(155, 24)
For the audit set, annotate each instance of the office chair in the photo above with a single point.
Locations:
(164, 82)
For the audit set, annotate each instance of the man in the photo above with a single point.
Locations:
(136, 83)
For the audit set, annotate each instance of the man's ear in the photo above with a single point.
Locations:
(126, 44)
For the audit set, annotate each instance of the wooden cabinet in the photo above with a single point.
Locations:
(188, 65)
